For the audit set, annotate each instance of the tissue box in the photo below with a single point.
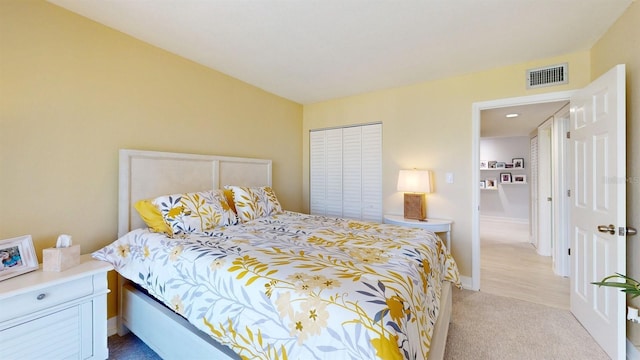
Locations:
(60, 259)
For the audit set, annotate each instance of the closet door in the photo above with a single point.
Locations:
(346, 172)
(317, 172)
(372, 172)
(325, 178)
(334, 172)
(352, 172)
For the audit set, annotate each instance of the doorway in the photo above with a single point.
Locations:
(515, 261)
(597, 131)
(476, 133)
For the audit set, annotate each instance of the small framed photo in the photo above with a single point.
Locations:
(500, 165)
(492, 164)
(17, 256)
(505, 177)
(518, 163)
(483, 184)
(508, 165)
(522, 179)
(490, 184)
(484, 164)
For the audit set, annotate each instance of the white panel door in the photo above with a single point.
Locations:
(533, 233)
(545, 189)
(597, 126)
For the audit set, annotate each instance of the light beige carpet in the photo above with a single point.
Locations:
(485, 326)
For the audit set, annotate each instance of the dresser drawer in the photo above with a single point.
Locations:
(46, 297)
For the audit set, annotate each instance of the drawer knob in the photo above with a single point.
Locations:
(41, 296)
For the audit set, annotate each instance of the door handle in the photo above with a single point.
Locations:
(611, 229)
(630, 230)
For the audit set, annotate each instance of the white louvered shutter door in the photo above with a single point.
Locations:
(352, 172)
(372, 172)
(334, 172)
(317, 172)
(345, 172)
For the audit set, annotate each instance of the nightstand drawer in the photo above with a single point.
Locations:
(44, 298)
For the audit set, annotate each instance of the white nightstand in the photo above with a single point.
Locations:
(435, 225)
(55, 315)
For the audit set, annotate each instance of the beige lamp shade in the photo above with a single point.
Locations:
(415, 183)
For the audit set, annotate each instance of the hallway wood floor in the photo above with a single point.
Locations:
(510, 266)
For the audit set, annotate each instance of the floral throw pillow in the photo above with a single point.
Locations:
(195, 212)
(254, 202)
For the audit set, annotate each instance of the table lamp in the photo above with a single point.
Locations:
(415, 184)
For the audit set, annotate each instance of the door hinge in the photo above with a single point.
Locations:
(569, 193)
(568, 134)
(569, 251)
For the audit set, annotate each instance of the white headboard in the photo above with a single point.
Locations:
(149, 174)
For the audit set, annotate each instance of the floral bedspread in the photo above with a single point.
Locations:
(298, 286)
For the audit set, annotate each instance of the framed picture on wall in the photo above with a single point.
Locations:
(492, 164)
(500, 165)
(520, 179)
(484, 164)
(490, 184)
(505, 177)
(483, 184)
(518, 163)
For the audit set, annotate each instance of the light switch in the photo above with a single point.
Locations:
(449, 178)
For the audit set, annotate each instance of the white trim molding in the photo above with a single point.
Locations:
(632, 351)
(112, 325)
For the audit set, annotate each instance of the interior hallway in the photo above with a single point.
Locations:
(510, 266)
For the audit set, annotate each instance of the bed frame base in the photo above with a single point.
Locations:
(165, 332)
(441, 329)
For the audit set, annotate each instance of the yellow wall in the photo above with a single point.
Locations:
(73, 92)
(428, 125)
(621, 45)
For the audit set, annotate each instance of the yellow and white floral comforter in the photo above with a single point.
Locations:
(297, 286)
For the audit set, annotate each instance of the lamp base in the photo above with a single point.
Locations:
(415, 206)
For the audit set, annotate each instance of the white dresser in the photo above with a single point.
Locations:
(55, 315)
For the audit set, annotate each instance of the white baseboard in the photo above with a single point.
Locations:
(632, 351)
(112, 326)
(467, 282)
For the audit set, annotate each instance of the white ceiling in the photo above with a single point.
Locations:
(314, 50)
(494, 123)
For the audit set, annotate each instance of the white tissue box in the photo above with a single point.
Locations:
(60, 259)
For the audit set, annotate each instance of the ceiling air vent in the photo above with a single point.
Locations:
(547, 76)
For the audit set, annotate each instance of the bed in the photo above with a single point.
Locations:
(276, 285)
